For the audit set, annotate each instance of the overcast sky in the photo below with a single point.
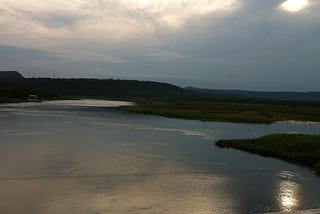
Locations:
(226, 44)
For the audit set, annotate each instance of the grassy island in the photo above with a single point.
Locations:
(228, 111)
(303, 150)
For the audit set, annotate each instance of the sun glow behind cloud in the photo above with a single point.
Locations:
(294, 5)
(209, 40)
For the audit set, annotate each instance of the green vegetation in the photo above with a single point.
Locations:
(303, 150)
(228, 111)
(166, 99)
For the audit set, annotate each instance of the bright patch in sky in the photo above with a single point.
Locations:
(294, 5)
(97, 20)
(212, 43)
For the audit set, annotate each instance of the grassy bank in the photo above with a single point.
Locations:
(303, 150)
(227, 111)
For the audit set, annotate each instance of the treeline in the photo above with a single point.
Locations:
(14, 87)
(50, 88)
(284, 96)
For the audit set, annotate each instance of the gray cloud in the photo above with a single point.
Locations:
(9, 53)
(56, 20)
(244, 44)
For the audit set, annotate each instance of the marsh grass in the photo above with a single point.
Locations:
(303, 150)
(228, 111)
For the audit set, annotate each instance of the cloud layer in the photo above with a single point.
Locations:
(244, 44)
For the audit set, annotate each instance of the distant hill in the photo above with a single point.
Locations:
(46, 87)
(257, 95)
(10, 75)
(14, 86)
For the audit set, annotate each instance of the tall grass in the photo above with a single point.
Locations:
(229, 112)
(299, 149)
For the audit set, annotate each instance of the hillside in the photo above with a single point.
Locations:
(257, 95)
(45, 87)
(13, 85)
(10, 75)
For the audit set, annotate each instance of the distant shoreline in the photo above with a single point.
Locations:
(212, 111)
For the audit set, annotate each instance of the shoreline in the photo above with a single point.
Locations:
(228, 111)
(299, 149)
(247, 113)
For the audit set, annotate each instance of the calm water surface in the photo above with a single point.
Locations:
(82, 157)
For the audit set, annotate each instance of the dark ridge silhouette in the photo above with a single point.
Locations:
(10, 75)
(257, 95)
(14, 86)
(46, 88)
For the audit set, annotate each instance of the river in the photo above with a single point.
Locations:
(87, 157)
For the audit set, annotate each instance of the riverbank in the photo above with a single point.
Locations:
(214, 111)
(228, 111)
(303, 150)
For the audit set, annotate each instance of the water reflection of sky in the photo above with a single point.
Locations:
(94, 160)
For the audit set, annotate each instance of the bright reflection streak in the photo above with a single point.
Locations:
(288, 195)
(294, 5)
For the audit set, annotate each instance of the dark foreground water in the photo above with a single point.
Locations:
(68, 157)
